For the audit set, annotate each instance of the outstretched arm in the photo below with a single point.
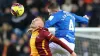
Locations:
(52, 38)
(56, 40)
(83, 20)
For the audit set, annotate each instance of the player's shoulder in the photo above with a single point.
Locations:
(67, 13)
(43, 30)
(57, 13)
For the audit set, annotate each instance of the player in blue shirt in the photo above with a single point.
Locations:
(64, 22)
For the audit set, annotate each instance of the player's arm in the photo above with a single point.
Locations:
(83, 20)
(56, 40)
(52, 38)
(52, 20)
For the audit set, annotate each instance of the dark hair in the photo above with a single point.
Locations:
(53, 6)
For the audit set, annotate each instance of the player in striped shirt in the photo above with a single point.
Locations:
(40, 38)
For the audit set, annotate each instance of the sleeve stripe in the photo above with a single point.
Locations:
(51, 17)
(51, 37)
(49, 34)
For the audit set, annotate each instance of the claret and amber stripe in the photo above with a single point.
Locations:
(39, 43)
(34, 51)
(43, 47)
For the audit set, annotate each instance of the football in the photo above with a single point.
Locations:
(17, 9)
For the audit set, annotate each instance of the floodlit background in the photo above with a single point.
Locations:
(13, 36)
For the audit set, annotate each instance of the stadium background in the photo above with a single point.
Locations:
(13, 36)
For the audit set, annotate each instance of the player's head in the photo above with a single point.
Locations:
(37, 22)
(53, 8)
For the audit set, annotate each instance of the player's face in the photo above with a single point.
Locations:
(38, 22)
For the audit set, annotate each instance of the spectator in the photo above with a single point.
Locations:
(14, 38)
(6, 31)
(81, 10)
(44, 12)
(14, 1)
(29, 4)
(8, 49)
(75, 1)
(85, 46)
(19, 22)
(1, 46)
(21, 2)
(74, 9)
(20, 46)
(6, 17)
(60, 2)
(5, 3)
(36, 3)
(25, 37)
(31, 14)
(95, 19)
(89, 10)
(67, 6)
(53, 1)
(26, 51)
(34, 11)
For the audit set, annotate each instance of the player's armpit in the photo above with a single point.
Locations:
(56, 40)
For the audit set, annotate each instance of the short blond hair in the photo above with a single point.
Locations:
(32, 25)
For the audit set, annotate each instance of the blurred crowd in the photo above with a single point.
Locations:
(87, 47)
(13, 30)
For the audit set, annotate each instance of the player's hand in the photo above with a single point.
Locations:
(85, 16)
(73, 54)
